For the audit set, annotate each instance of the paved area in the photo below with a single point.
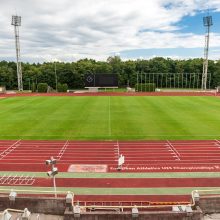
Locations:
(34, 216)
(211, 217)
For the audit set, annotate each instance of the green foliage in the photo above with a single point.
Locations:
(42, 87)
(73, 73)
(65, 87)
(33, 87)
(62, 87)
(145, 87)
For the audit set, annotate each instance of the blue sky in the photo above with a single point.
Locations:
(188, 24)
(70, 30)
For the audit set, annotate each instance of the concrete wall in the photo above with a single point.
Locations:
(34, 204)
(210, 204)
(165, 215)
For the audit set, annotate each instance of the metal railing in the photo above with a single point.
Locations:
(103, 206)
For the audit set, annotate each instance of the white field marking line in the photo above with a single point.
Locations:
(8, 150)
(148, 142)
(109, 117)
(173, 149)
(62, 150)
(170, 162)
(6, 179)
(176, 163)
(117, 151)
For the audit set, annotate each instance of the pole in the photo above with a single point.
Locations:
(207, 22)
(190, 80)
(194, 80)
(141, 81)
(198, 77)
(157, 81)
(178, 80)
(166, 80)
(210, 78)
(182, 81)
(161, 81)
(29, 84)
(17, 46)
(55, 71)
(55, 188)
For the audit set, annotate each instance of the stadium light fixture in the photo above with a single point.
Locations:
(53, 172)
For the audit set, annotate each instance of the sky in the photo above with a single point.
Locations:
(69, 30)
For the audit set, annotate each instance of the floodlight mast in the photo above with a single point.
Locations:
(207, 22)
(16, 22)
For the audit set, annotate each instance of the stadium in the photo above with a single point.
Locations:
(110, 139)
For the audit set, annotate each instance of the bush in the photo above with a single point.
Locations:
(145, 87)
(62, 87)
(65, 87)
(42, 87)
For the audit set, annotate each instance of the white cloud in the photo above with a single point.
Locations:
(72, 29)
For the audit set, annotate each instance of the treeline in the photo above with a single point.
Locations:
(73, 73)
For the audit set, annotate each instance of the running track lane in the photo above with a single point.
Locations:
(128, 182)
(140, 156)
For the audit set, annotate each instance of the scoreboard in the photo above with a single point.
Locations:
(101, 80)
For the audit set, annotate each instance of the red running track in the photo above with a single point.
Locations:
(114, 94)
(126, 182)
(140, 156)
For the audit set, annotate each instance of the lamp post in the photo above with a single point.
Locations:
(53, 172)
(29, 84)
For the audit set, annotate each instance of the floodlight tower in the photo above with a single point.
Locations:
(16, 22)
(207, 22)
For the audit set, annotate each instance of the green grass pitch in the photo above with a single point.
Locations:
(110, 118)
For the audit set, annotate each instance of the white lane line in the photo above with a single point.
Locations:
(173, 149)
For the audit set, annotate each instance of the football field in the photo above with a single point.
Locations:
(110, 118)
